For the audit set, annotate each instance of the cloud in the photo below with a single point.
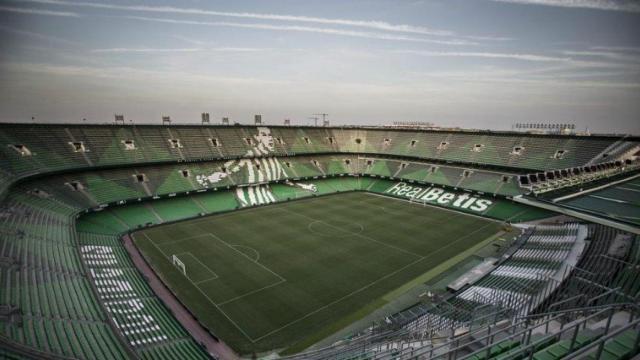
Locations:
(488, 38)
(43, 37)
(143, 50)
(330, 31)
(367, 24)
(174, 50)
(568, 62)
(612, 5)
(523, 57)
(617, 48)
(37, 11)
(236, 49)
(190, 40)
(499, 76)
(613, 55)
(377, 25)
(132, 73)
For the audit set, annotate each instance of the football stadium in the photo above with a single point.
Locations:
(230, 241)
(319, 180)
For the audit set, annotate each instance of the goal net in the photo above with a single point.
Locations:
(179, 264)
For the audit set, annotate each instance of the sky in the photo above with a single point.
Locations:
(482, 64)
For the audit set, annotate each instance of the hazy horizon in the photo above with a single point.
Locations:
(481, 64)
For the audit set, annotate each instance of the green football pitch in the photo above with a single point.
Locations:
(289, 274)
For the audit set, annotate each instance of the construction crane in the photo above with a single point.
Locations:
(324, 118)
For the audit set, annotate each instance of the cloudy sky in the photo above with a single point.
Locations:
(471, 63)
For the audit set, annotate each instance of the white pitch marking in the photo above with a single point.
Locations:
(609, 199)
(352, 293)
(251, 293)
(252, 249)
(201, 263)
(245, 255)
(208, 298)
(353, 233)
(628, 189)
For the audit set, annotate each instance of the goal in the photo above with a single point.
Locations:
(179, 264)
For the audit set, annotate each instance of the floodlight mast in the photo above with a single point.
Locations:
(325, 122)
(119, 119)
(206, 119)
(315, 120)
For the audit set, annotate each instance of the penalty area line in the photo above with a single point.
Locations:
(246, 256)
(251, 292)
(208, 298)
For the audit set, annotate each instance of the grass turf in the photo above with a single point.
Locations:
(283, 275)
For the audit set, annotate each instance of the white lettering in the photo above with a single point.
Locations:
(404, 190)
(460, 199)
(433, 194)
(440, 196)
(469, 202)
(446, 198)
(414, 191)
(481, 205)
(395, 188)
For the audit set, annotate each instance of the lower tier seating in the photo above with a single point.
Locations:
(50, 275)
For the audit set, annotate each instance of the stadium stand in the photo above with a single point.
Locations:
(619, 202)
(70, 290)
(65, 291)
(517, 283)
(36, 148)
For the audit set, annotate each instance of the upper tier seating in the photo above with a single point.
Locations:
(89, 189)
(31, 149)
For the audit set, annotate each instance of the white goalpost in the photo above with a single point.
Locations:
(179, 264)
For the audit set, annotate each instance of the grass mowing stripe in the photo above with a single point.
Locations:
(440, 268)
(352, 233)
(331, 281)
(342, 298)
(203, 293)
(245, 255)
(251, 293)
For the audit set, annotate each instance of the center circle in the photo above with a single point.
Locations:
(335, 228)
